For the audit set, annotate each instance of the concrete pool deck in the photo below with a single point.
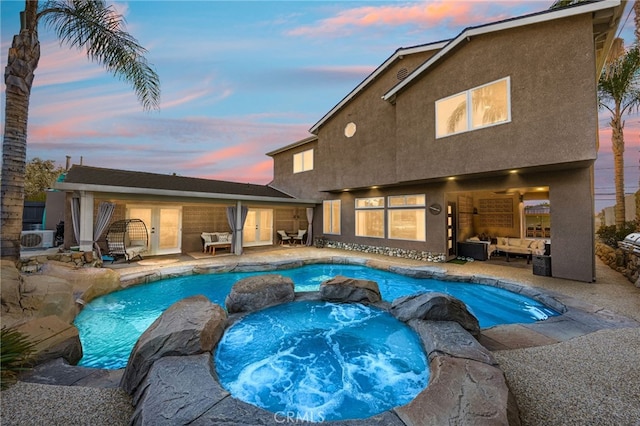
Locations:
(579, 368)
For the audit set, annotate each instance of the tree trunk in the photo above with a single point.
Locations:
(617, 145)
(636, 19)
(22, 61)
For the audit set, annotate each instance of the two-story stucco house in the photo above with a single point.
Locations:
(449, 140)
(443, 142)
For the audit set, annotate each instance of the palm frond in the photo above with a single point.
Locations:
(96, 27)
(620, 81)
(15, 352)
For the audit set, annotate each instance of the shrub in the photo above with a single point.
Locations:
(15, 352)
(610, 235)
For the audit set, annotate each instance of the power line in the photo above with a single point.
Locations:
(625, 21)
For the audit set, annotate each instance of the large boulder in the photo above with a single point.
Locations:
(257, 292)
(344, 289)
(87, 283)
(462, 391)
(25, 296)
(176, 391)
(54, 338)
(9, 289)
(44, 295)
(434, 306)
(190, 326)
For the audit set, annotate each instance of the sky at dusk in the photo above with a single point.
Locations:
(240, 79)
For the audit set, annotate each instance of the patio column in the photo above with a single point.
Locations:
(523, 225)
(86, 221)
(239, 229)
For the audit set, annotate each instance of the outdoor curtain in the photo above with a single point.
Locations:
(105, 211)
(236, 232)
(75, 218)
(310, 227)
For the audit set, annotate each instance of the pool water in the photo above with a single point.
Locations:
(322, 361)
(110, 325)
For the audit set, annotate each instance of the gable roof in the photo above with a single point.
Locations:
(398, 54)
(606, 17)
(99, 179)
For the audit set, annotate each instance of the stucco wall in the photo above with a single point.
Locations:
(553, 109)
(352, 162)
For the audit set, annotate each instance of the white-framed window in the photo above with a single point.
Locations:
(303, 161)
(482, 106)
(331, 217)
(407, 200)
(370, 217)
(405, 221)
(370, 203)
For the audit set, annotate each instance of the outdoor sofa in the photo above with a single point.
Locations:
(213, 240)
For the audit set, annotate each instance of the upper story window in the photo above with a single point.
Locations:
(303, 161)
(473, 109)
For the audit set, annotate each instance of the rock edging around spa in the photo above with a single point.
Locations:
(177, 383)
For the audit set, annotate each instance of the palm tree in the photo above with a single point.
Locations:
(636, 20)
(619, 93)
(84, 24)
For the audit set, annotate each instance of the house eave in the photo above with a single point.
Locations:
(68, 186)
(510, 24)
(301, 142)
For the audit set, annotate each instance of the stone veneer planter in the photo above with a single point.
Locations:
(425, 256)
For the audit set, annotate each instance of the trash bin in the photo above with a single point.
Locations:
(542, 265)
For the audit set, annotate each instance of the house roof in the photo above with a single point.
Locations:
(606, 17)
(301, 142)
(99, 179)
(398, 54)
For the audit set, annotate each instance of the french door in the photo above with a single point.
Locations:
(258, 228)
(164, 225)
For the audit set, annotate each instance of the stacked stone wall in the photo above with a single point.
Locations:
(627, 263)
(88, 259)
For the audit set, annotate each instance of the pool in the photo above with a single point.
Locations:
(110, 325)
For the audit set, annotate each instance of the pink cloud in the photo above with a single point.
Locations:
(258, 173)
(219, 155)
(417, 14)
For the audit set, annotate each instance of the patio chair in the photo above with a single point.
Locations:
(300, 236)
(127, 238)
(284, 237)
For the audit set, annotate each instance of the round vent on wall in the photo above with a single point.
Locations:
(31, 240)
(350, 129)
(402, 74)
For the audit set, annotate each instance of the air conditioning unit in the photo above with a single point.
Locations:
(36, 239)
